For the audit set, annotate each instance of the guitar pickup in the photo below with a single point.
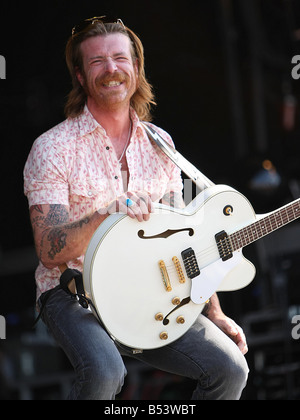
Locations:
(190, 263)
(224, 245)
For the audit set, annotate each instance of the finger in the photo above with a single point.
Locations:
(243, 348)
(137, 212)
(236, 333)
(142, 205)
(123, 207)
(146, 205)
(135, 209)
(146, 197)
(229, 327)
(242, 345)
(240, 340)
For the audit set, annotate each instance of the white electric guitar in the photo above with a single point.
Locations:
(149, 281)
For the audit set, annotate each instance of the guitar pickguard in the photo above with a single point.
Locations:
(211, 277)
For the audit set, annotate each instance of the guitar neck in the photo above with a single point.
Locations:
(265, 225)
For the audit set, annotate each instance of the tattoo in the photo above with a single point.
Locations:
(57, 238)
(79, 223)
(54, 227)
(37, 208)
(58, 215)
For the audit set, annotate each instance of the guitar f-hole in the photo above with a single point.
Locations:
(166, 234)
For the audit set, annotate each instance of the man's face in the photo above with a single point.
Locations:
(110, 76)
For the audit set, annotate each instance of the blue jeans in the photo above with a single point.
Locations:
(204, 354)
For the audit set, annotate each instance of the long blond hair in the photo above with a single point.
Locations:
(143, 98)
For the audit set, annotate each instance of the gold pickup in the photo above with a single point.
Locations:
(179, 269)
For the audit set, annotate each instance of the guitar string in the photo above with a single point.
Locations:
(234, 240)
(210, 251)
(237, 239)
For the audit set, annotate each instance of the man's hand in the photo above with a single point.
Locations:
(138, 205)
(234, 331)
(227, 325)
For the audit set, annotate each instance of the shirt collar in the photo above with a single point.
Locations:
(87, 123)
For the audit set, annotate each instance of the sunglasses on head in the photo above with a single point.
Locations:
(97, 19)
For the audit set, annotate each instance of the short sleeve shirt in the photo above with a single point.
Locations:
(75, 164)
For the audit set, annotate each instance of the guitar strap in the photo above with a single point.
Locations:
(201, 181)
(71, 282)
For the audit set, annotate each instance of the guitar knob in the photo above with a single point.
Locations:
(163, 335)
(180, 320)
(176, 301)
(159, 316)
(228, 210)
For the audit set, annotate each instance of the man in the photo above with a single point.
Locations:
(97, 162)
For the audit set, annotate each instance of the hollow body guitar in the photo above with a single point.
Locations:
(149, 281)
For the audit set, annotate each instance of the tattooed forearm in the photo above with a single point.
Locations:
(57, 239)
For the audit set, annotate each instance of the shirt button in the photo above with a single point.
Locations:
(90, 193)
(107, 147)
(116, 177)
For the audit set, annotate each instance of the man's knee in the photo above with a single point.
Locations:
(233, 376)
(109, 381)
(101, 380)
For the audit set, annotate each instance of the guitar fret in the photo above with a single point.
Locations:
(266, 225)
(292, 212)
(258, 231)
(285, 216)
(273, 222)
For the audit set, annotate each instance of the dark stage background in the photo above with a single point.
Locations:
(222, 74)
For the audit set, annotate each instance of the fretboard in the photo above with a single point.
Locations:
(265, 225)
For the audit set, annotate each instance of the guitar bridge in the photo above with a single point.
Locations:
(165, 276)
(224, 245)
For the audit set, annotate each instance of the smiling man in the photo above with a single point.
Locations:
(109, 74)
(97, 162)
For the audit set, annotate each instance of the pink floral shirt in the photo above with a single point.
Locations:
(75, 164)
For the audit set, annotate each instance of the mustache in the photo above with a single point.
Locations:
(106, 78)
